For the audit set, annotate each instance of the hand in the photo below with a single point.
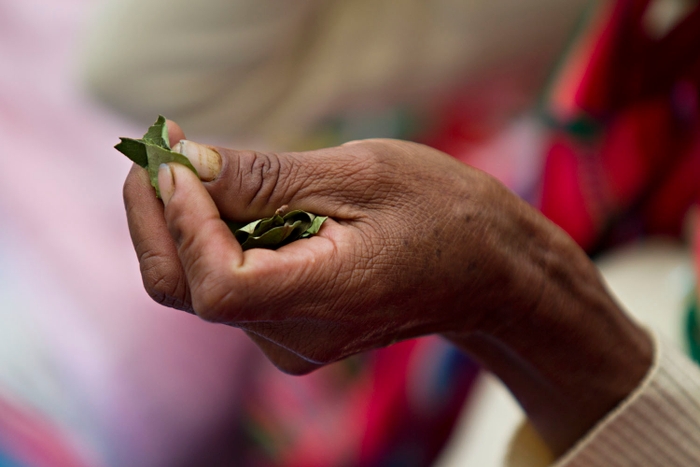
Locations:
(417, 243)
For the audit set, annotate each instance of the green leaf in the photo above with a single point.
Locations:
(153, 150)
(133, 149)
(278, 230)
(273, 232)
(157, 134)
(158, 156)
(315, 226)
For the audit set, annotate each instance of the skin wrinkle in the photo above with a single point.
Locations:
(543, 264)
(288, 190)
(281, 297)
(160, 287)
(284, 359)
(161, 284)
(234, 185)
(367, 263)
(369, 173)
(231, 173)
(153, 261)
(213, 295)
(359, 185)
(143, 249)
(271, 173)
(284, 300)
(256, 179)
(230, 294)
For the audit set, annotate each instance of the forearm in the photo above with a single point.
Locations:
(566, 350)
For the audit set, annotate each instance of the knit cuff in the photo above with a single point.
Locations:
(657, 425)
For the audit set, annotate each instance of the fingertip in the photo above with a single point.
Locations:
(181, 178)
(137, 171)
(181, 190)
(175, 133)
(137, 187)
(166, 183)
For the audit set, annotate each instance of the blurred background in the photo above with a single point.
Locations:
(587, 109)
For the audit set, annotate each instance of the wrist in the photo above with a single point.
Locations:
(562, 345)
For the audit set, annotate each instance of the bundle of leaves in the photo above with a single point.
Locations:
(273, 232)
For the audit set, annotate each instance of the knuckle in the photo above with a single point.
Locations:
(213, 298)
(261, 177)
(164, 281)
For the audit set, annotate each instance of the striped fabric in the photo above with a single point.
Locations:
(660, 426)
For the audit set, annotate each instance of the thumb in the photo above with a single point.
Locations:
(247, 185)
(205, 245)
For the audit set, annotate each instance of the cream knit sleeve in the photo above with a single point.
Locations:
(658, 424)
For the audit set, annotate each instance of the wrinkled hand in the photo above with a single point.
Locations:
(417, 243)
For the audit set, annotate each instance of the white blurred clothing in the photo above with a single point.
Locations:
(272, 69)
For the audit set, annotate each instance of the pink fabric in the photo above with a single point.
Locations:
(32, 441)
(142, 378)
(635, 169)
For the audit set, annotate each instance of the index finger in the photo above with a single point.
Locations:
(162, 274)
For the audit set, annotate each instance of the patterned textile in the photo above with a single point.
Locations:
(27, 439)
(624, 159)
(391, 407)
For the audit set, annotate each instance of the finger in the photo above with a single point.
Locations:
(161, 271)
(247, 185)
(204, 159)
(175, 133)
(207, 249)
